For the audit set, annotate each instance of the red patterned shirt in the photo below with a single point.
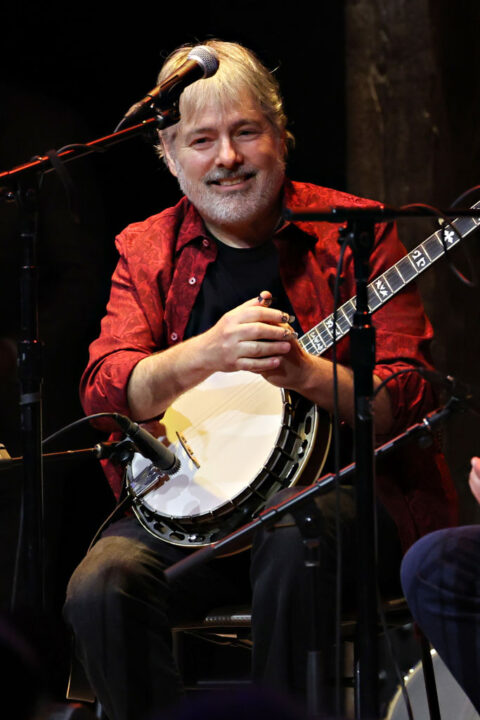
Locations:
(162, 264)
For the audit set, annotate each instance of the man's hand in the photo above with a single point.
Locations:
(312, 377)
(474, 478)
(251, 337)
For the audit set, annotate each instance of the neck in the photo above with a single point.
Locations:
(249, 234)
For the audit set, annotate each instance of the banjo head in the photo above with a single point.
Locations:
(234, 435)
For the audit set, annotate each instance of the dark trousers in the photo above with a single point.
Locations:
(441, 580)
(121, 608)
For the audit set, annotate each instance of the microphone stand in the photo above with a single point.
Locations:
(21, 185)
(120, 451)
(300, 506)
(241, 538)
(360, 235)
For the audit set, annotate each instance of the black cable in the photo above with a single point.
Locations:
(461, 198)
(398, 673)
(76, 423)
(116, 510)
(395, 374)
(16, 567)
(447, 222)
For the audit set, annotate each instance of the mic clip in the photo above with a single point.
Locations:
(120, 452)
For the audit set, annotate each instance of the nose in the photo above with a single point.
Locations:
(228, 154)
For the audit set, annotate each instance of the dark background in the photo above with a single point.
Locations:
(382, 99)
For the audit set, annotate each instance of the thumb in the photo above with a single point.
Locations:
(264, 299)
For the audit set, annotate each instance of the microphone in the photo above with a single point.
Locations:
(202, 62)
(148, 446)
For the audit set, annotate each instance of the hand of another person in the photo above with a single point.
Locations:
(474, 478)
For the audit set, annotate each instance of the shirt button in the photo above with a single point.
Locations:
(174, 337)
(192, 280)
(205, 242)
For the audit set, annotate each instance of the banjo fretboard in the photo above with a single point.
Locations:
(320, 338)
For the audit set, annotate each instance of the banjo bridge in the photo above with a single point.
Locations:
(187, 449)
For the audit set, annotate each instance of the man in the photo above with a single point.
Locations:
(441, 580)
(219, 283)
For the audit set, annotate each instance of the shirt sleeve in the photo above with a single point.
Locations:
(126, 337)
(403, 337)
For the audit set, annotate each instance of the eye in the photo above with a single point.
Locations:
(248, 131)
(200, 141)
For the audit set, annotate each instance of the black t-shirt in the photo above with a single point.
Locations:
(237, 275)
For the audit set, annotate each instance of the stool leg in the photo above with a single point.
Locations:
(429, 677)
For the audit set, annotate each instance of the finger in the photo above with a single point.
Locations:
(265, 298)
(266, 331)
(474, 477)
(262, 314)
(261, 349)
(259, 365)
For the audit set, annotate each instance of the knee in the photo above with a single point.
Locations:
(417, 564)
(113, 570)
(280, 551)
(442, 563)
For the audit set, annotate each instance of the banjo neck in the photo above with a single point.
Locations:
(321, 337)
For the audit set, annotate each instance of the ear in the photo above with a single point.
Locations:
(168, 153)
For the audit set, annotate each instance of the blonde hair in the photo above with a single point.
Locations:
(239, 70)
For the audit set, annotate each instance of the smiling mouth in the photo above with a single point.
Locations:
(232, 181)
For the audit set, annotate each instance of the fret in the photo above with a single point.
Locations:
(315, 340)
(342, 321)
(325, 333)
(465, 225)
(394, 279)
(349, 309)
(382, 288)
(419, 259)
(434, 246)
(406, 269)
(306, 343)
(424, 248)
(374, 301)
(448, 237)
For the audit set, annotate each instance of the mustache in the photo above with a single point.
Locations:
(226, 174)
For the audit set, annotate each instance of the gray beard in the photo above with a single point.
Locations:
(238, 207)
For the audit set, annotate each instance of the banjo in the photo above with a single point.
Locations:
(240, 439)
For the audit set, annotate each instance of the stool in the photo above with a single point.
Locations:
(231, 627)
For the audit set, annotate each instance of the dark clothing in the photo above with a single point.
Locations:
(121, 608)
(237, 275)
(118, 602)
(282, 617)
(121, 611)
(441, 581)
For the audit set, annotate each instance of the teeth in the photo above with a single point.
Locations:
(234, 181)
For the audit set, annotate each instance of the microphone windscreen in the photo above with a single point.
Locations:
(206, 57)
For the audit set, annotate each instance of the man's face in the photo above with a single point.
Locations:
(229, 162)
